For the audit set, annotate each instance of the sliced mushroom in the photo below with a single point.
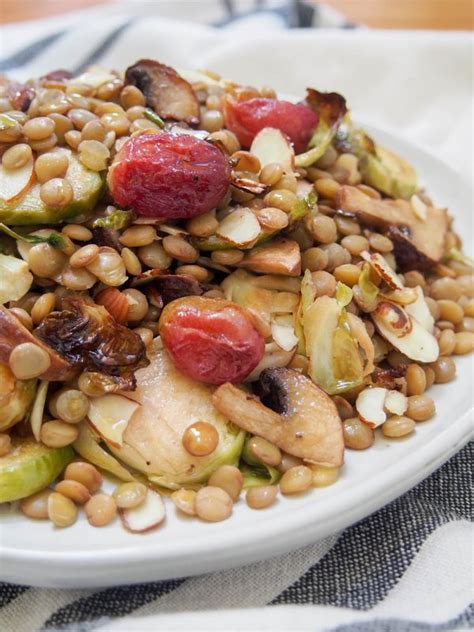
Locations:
(281, 256)
(418, 243)
(13, 333)
(293, 413)
(171, 96)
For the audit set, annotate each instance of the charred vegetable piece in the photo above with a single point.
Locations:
(28, 208)
(169, 176)
(282, 256)
(30, 467)
(211, 340)
(419, 243)
(293, 413)
(90, 339)
(16, 398)
(13, 333)
(247, 118)
(170, 96)
(331, 109)
(170, 403)
(169, 287)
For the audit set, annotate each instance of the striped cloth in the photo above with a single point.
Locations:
(406, 568)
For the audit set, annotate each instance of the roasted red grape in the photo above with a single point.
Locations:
(169, 175)
(211, 340)
(247, 118)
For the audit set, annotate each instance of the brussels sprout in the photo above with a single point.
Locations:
(254, 471)
(388, 173)
(30, 209)
(170, 402)
(30, 467)
(16, 397)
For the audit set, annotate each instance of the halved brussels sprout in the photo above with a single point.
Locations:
(256, 472)
(170, 402)
(387, 172)
(30, 467)
(16, 397)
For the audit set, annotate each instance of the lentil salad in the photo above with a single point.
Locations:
(205, 290)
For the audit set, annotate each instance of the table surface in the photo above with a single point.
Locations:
(406, 14)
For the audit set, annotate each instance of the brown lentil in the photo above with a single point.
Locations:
(131, 96)
(36, 506)
(137, 305)
(445, 369)
(337, 256)
(264, 451)
(323, 229)
(287, 182)
(108, 267)
(38, 128)
(355, 244)
(203, 225)
(296, 479)
(324, 475)
(200, 438)
(227, 257)
(464, 342)
(131, 262)
(185, 501)
(94, 155)
(398, 426)
(347, 273)
(262, 496)
(180, 249)
(433, 307)
(271, 173)
(77, 492)
(449, 310)
(324, 283)
(17, 156)
(43, 306)
(80, 117)
(100, 510)
(446, 289)
(154, 256)
(414, 278)
(357, 434)
(61, 510)
(344, 408)
(280, 198)
(466, 325)
(430, 376)
(198, 272)
(84, 473)
(272, 218)
(69, 405)
(23, 317)
(416, 380)
(213, 504)
(56, 193)
(73, 138)
(229, 478)
(447, 342)
(116, 122)
(137, 236)
(28, 360)
(77, 232)
(327, 187)
(347, 226)
(420, 407)
(57, 434)
(314, 259)
(128, 495)
(44, 145)
(287, 462)
(84, 256)
(46, 261)
(93, 130)
(380, 243)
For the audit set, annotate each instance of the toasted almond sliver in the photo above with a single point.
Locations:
(370, 406)
(271, 145)
(240, 227)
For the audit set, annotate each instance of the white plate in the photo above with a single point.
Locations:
(80, 556)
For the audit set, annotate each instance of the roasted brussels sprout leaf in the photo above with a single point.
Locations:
(387, 172)
(293, 413)
(15, 278)
(30, 467)
(54, 239)
(255, 472)
(331, 108)
(16, 397)
(170, 96)
(117, 220)
(13, 333)
(88, 445)
(154, 118)
(170, 402)
(90, 339)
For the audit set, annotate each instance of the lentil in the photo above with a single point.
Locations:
(451, 311)
(77, 278)
(56, 193)
(17, 156)
(227, 257)
(57, 434)
(61, 510)
(73, 138)
(398, 426)
(23, 316)
(272, 218)
(200, 438)
(420, 407)
(296, 479)
(347, 273)
(84, 256)
(271, 173)
(229, 478)
(137, 305)
(357, 434)
(213, 504)
(445, 289)
(131, 262)
(264, 451)
(280, 198)
(80, 117)
(198, 272)
(128, 495)
(84, 473)
(327, 187)
(180, 249)
(100, 510)
(445, 369)
(38, 128)
(77, 232)
(131, 96)
(154, 256)
(93, 154)
(464, 342)
(314, 259)
(262, 496)
(77, 492)
(324, 283)
(344, 408)
(28, 360)
(203, 225)
(5, 444)
(42, 307)
(185, 501)
(323, 229)
(36, 506)
(93, 130)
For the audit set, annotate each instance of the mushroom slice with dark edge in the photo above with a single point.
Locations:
(419, 243)
(170, 96)
(293, 413)
(281, 256)
(13, 333)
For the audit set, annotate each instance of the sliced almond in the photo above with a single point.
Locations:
(382, 268)
(396, 402)
(148, 515)
(404, 332)
(109, 415)
(239, 228)
(282, 256)
(370, 406)
(94, 76)
(419, 208)
(16, 182)
(270, 145)
(404, 296)
(274, 357)
(247, 184)
(420, 311)
(284, 336)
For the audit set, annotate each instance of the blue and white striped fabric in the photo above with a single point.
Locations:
(407, 568)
